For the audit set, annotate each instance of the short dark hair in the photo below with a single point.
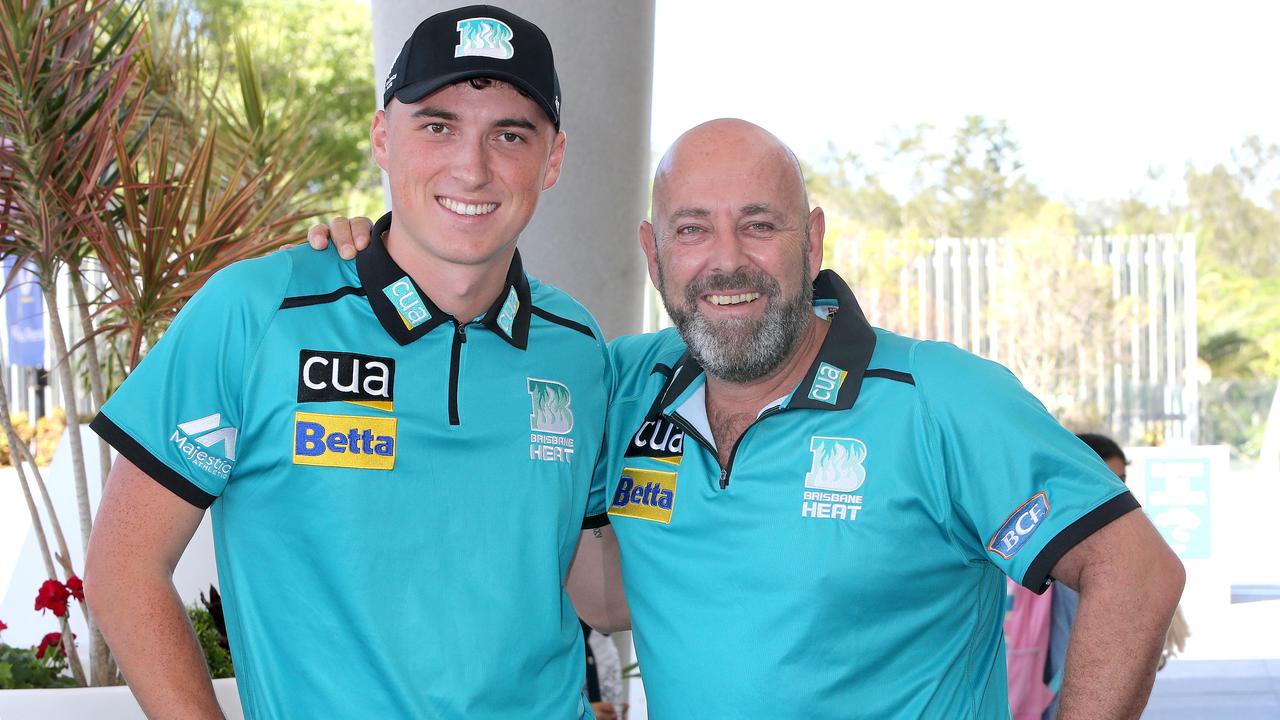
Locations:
(480, 83)
(1103, 445)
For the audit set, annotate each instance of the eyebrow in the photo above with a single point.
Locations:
(756, 209)
(690, 213)
(429, 111)
(522, 123)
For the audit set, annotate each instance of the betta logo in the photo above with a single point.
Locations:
(645, 494)
(346, 441)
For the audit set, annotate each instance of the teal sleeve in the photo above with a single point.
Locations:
(178, 415)
(597, 499)
(1023, 489)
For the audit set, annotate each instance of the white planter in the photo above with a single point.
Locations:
(109, 703)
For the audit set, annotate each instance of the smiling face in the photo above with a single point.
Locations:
(466, 166)
(733, 247)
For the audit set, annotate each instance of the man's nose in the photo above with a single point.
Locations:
(471, 164)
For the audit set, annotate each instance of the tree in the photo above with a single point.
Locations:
(315, 57)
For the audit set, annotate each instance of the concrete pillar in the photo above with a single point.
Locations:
(583, 237)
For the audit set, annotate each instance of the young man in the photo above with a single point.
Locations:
(397, 449)
(816, 517)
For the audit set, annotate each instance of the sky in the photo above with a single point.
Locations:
(1096, 93)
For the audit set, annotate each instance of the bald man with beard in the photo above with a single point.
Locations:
(815, 516)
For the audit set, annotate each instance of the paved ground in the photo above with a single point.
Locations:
(1216, 689)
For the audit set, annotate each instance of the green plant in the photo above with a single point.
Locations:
(216, 656)
(20, 669)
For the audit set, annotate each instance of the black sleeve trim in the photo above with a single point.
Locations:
(149, 464)
(564, 322)
(1037, 577)
(891, 375)
(591, 522)
(304, 300)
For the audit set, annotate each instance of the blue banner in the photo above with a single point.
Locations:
(24, 311)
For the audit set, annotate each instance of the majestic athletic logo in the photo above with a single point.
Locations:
(551, 411)
(350, 441)
(826, 383)
(484, 37)
(404, 296)
(197, 438)
(331, 376)
(836, 464)
(645, 494)
(1020, 526)
(659, 439)
(507, 316)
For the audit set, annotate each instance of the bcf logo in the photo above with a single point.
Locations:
(1015, 532)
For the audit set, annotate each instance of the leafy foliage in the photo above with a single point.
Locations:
(217, 657)
(20, 669)
(314, 63)
(46, 433)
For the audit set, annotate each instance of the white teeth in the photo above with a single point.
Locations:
(466, 208)
(732, 299)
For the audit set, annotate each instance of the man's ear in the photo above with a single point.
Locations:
(554, 162)
(649, 244)
(817, 229)
(378, 139)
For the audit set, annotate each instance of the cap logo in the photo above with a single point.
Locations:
(484, 37)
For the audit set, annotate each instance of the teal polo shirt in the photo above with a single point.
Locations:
(850, 561)
(396, 494)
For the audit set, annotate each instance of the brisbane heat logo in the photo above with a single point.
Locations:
(484, 37)
(836, 464)
(551, 411)
(835, 473)
(550, 421)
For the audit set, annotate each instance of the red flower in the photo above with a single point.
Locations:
(3, 626)
(53, 596)
(76, 586)
(51, 641)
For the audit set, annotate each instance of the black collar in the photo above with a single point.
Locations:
(383, 280)
(847, 348)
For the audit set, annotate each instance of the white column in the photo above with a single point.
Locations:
(583, 237)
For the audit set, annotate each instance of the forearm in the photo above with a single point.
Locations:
(1116, 642)
(153, 642)
(595, 582)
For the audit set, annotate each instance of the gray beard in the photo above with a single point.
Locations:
(741, 350)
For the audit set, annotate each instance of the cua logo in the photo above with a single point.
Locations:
(836, 464)
(550, 404)
(404, 296)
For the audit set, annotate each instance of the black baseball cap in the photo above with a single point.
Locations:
(471, 42)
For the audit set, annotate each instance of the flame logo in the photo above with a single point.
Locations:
(484, 37)
(836, 464)
(550, 402)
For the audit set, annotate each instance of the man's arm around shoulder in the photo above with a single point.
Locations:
(140, 532)
(595, 581)
(1129, 583)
